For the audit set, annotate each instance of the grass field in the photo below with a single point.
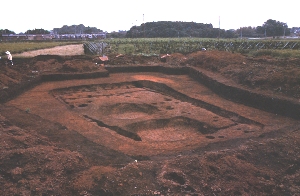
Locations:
(154, 46)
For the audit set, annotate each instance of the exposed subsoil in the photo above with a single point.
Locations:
(206, 123)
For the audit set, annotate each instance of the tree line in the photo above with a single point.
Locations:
(191, 29)
(76, 29)
(164, 29)
(73, 29)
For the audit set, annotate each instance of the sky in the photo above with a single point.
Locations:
(22, 15)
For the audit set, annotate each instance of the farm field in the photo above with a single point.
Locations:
(202, 123)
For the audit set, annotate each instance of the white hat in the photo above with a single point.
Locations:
(7, 52)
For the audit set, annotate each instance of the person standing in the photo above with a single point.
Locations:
(9, 57)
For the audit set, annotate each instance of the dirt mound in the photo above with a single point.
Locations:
(264, 73)
(214, 60)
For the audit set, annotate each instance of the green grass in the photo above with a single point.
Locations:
(19, 47)
(276, 53)
(152, 46)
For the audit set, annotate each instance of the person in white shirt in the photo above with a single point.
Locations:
(9, 57)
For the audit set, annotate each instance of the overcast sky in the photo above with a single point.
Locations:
(22, 15)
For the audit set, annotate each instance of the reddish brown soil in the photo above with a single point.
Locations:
(197, 124)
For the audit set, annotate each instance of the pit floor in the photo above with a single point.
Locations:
(140, 120)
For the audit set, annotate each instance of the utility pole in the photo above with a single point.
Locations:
(135, 29)
(132, 31)
(144, 25)
(265, 32)
(219, 27)
(241, 32)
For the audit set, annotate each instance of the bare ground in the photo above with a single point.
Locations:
(139, 131)
(69, 50)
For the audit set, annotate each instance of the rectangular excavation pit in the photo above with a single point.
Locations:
(131, 108)
(120, 100)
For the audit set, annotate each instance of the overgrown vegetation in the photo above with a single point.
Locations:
(156, 46)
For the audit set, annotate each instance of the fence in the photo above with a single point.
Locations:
(94, 48)
(163, 46)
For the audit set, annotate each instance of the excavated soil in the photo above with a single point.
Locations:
(206, 123)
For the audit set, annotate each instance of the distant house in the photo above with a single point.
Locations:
(13, 37)
(40, 37)
(79, 36)
(20, 37)
(295, 31)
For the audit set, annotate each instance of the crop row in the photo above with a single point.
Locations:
(155, 46)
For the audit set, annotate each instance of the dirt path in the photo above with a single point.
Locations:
(68, 50)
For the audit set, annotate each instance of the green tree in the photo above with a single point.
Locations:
(90, 30)
(230, 34)
(76, 29)
(246, 32)
(273, 28)
(114, 34)
(37, 31)
(175, 29)
(6, 31)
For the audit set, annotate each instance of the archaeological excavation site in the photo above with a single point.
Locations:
(205, 123)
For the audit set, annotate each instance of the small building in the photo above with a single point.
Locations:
(13, 37)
